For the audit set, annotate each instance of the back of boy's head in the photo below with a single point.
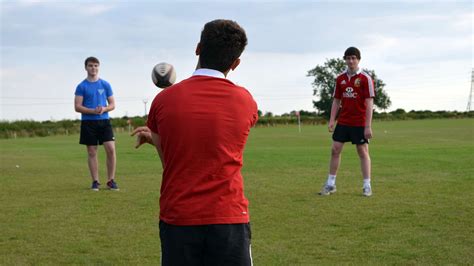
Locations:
(91, 59)
(352, 51)
(222, 42)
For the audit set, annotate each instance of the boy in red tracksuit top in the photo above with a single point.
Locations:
(353, 101)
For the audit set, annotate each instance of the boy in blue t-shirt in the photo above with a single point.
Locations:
(94, 100)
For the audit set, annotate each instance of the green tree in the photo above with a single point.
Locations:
(325, 81)
(268, 114)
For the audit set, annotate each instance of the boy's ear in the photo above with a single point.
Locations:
(198, 48)
(235, 64)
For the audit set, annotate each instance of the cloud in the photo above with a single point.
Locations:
(94, 9)
(420, 50)
(463, 22)
(278, 81)
(411, 49)
(87, 8)
(31, 2)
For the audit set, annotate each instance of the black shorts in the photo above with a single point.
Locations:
(95, 132)
(349, 133)
(215, 244)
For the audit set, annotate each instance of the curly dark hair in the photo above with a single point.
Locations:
(222, 42)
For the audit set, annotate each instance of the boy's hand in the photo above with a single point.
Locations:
(143, 136)
(331, 125)
(368, 132)
(99, 110)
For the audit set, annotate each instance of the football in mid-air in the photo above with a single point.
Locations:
(163, 75)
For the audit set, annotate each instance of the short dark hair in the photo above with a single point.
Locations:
(91, 59)
(352, 51)
(222, 42)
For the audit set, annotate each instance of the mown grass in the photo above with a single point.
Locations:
(421, 211)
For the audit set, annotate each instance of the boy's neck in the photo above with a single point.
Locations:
(352, 71)
(198, 66)
(92, 78)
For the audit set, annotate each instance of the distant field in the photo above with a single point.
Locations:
(421, 211)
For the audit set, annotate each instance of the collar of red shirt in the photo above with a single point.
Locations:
(208, 72)
(357, 72)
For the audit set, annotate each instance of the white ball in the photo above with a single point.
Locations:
(163, 75)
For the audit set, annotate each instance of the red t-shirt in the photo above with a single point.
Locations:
(203, 123)
(352, 91)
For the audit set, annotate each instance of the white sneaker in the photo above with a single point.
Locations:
(327, 190)
(367, 191)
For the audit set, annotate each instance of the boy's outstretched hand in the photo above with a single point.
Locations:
(143, 136)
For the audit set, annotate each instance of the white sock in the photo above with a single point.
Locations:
(366, 182)
(331, 180)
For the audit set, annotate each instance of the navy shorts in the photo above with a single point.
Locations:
(214, 244)
(96, 132)
(344, 133)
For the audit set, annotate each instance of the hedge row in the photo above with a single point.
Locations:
(27, 128)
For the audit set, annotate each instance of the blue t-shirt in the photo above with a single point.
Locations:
(94, 94)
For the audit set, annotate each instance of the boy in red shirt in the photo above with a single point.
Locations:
(199, 127)
(353, 103)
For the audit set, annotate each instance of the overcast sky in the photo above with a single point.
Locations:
(422, 50)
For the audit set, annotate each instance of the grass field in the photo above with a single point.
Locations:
(421, 211)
